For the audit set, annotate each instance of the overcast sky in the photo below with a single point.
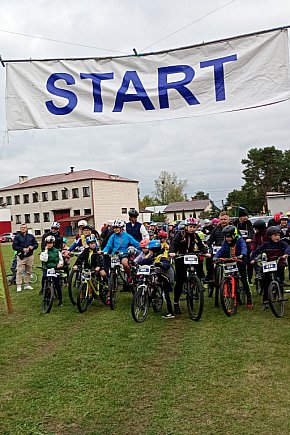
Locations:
(207, 151)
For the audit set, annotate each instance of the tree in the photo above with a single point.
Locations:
(201, 195)
(266, 169)
(147, 201)
(169, 188)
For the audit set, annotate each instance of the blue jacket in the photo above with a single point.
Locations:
(119, 243)
(227, 250)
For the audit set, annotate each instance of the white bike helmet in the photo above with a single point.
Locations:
(118, 223)
(82, 223)
(50, 239)
(55, 225)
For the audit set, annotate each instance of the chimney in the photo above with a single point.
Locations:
(22, 178)
(72, 168)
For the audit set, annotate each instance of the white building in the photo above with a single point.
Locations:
(67, 198)
(278, 202)
(195, 207)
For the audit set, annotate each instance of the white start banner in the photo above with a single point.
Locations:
(234, 74)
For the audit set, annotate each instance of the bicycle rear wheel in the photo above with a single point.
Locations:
(47, 298)
(140, 304)
(157, 300)
(33, 278)
(228, 299)
(194, 298)
(83, 297)
(74, 281)
(276, 299)
(113, 285)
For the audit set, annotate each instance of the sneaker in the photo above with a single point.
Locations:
(250, 306)
(129, 279)
(28, 287)
(177, 309)
(108, 301)
(19, 288)
(60, 304)
(265, 305)
(168, 316)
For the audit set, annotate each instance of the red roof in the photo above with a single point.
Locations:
(87, 174)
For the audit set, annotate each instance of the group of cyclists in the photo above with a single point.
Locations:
(163, 246)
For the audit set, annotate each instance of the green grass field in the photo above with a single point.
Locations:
(100, 373)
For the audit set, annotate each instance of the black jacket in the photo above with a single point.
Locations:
(23, 241)
(58, 240)
(246, 226)
(185, 243)
(89, 262)
(216, 237)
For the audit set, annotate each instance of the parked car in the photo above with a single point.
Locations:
(2, 239)
(264, 218)
(8, 236)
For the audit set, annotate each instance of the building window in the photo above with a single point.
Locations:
(35, 197)
(86, 191)
(1, 200)
(64, 194)
(87, 211)
(75, 193)
(124, 210)
(37, 233)
(8, 200)
(26, 198)
(17, 199)
(46, 217)
(44, 196)
(54, 195)
(18, 219)
(36, 218)
(27, 218)
(77, 212)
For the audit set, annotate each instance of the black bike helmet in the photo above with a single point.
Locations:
(259, 224)
(230, 231)
(273, 230)
(133, 213)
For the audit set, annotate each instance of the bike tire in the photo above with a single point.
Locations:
(73, 284)
(140, 304)
(103, 291)
(228, 301)
(33, 278)
(157, 300)
(217, 280)
(113, 286)
(11, 279)
(47, 298)
(194, 298)
(276, 299)
(82, 297)
(258, 285)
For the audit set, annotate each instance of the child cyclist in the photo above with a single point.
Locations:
(274, 248)
(159, 257)
(91, 259)
(144, 253)
(118, 243)
(235, 246)
(52, 259)
(185, 242)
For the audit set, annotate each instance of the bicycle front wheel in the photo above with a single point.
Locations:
(73, 284)
(83, 297)
(217, 280)
(33, 278)
(140, 304)
(228, 298)
(113, 285)
(276, 299)
(194, 298)
(47, 298)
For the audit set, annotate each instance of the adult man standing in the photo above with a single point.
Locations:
(24, 244)
(216, 238)
(134, 228)
(245, 227)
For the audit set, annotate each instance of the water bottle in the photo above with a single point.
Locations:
(264, 257)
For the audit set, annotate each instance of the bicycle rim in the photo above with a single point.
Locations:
(73, 284)
(82, 297)
(33, 278)
(140, 305)
(228, 301)
(112, 290)
(276, 299)
(194, 298)
(47, 299)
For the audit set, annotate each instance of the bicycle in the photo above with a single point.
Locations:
(193, 288)
(214, 285)
(11, 277)
(74, 281)
(114, 272)
(49, 292)
(148, 289)
(91, 287)
(275, 290)
(230, 292)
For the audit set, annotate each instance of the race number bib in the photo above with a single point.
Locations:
(269, 266)
(190, 259)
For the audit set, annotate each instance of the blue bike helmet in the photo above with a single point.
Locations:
(154, 245)
(91, 239)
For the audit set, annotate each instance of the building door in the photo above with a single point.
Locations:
(62, 214)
